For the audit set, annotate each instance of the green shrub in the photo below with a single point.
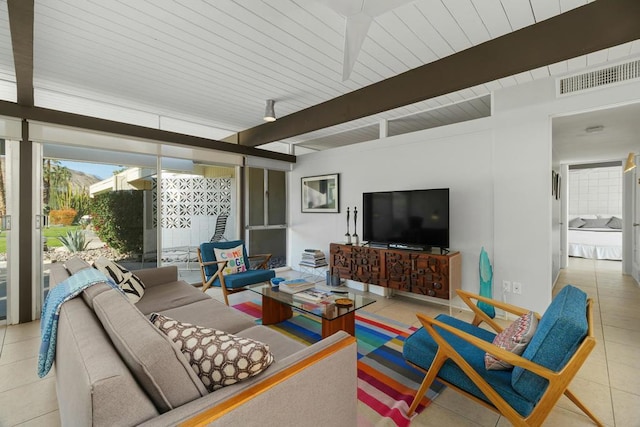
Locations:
(74, 241)
(117, 219)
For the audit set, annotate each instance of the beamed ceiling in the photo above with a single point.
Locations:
(417, 64)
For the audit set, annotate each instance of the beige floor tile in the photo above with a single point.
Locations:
(595, 369)
(563, 417)
(624, 322)
(624, 377)
(28, 402)
(591, 394)
(20, 373)
(22, 331)
(52, 419)
(625, 408)
(622, 336)
(463, 406)
(20, 350)
(438, 416)
(622, 353)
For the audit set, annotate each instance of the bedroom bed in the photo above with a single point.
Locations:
(596, 239)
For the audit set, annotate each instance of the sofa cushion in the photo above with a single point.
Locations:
(248, 277)
(234, 257)
(169, 295)
(514, 338)
(126, 280)
(158, 366)
(280, 344)
(218, 358)
(93, 291)
(560, 331)
(75, 264)
(211, 313)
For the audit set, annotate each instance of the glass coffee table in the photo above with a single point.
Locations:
(336, 315)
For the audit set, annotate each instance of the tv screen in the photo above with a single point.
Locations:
(415, 218)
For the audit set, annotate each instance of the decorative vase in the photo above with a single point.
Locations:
(486, 283)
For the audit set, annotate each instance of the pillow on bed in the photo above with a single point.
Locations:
(615, 223)
(576, 222)
(595, 223)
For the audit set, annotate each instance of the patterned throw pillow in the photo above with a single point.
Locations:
(515, 339)
(235, 258)
(130, 284)
(217, 357)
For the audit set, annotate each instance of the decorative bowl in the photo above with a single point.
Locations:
(276, 281)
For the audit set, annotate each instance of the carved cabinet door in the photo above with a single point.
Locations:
(430, 275)
(397, 270)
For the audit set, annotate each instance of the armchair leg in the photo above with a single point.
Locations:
(437, 363)
(583, 408)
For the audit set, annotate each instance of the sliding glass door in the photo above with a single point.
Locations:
(266, 196)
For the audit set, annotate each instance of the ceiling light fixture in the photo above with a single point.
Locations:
(592, 129)
(269, 112)
(631, 162)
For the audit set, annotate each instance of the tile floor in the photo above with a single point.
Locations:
(608, 382)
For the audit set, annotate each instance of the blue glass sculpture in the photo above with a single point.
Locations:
(486, 283)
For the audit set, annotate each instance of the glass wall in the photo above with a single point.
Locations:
(5, 229)
(197, 204)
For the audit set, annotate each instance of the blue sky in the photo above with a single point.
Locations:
(101, 171)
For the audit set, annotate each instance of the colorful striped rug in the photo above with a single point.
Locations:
(386, 383)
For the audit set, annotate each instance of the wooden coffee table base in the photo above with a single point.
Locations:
(275, 312)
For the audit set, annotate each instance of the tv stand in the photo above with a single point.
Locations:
(434, 276)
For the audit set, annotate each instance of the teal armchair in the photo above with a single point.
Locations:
(232, 270)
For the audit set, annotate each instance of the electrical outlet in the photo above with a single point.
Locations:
(506, 286)
(517, 287)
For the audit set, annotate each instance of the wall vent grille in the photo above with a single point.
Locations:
(605, 76)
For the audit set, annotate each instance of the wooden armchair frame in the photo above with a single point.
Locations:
(218, 274)
(558, 381)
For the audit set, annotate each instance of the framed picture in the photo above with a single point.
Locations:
(321, 193)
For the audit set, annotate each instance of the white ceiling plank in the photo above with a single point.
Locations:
(577, 63)
(423, 29)
(558, 68)
(493, 16)
(519, 13)
(467, 17)
(545, 9)
(597, 58)
(524, 77)
(619, 52)
(440, 18)
(540, 73)
(567, 5)
(401, 38)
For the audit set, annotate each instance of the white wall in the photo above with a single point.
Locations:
(595, 191)
(499, 173)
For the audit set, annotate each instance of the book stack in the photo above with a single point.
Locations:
(294, 285)
(313, 258)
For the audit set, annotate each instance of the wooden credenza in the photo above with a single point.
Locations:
(432, 275)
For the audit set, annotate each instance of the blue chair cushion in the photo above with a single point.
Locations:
(560, 332)
(236, 280)
(420, 349)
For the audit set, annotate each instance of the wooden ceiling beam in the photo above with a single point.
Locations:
(129, 130)
(595, 26)
(21, 27)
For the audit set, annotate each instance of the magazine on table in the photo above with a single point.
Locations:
(314, 294)
(294, 286)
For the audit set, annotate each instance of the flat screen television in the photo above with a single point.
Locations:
(413, 219)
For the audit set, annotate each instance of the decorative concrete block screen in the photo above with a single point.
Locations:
(190, 206)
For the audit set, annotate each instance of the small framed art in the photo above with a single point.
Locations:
(321, 193)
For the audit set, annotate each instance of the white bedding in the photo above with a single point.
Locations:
(597, 243)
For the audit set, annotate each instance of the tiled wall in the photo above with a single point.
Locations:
(595, 191)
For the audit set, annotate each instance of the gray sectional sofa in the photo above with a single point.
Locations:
(113, 367)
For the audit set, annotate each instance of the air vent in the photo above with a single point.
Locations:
(603, 77)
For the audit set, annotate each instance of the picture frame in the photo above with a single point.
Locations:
(320, 194)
